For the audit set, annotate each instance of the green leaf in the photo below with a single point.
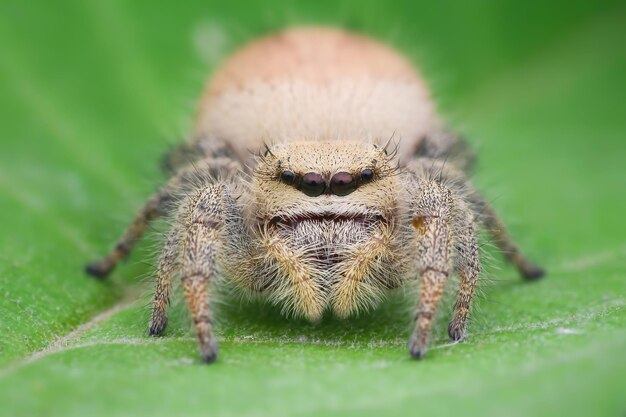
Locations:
(92, 93)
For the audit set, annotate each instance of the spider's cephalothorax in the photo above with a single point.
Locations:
(327, 216)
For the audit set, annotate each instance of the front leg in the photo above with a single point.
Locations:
(206, 222)
(433, 225)
(483, 212)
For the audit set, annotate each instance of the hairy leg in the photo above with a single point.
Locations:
(208, 220)
(448, 174)
(199, 148)
(433, 224)
(529, 270)
(151, 210)
(156, 206)
(467, 265)
(431, 179)
(169, 262)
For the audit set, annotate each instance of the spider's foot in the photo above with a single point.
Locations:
(208, 350)
(456, 331)
(100, 269)
(157, 326)
(532, 272)
(418, 346)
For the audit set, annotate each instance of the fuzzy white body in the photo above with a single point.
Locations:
(316, 84)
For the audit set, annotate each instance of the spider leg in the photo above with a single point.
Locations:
(169, 262)
(458, 233)
(433, 225)
(529, 270)
(208, 219)
(156, 206)
(153, 209)
(448, 174)
(467, 266)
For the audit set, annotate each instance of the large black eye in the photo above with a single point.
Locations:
(288, 177)
(342, 184)
(312, 184)
(367, 174)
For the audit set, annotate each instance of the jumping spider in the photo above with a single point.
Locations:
(325, 216)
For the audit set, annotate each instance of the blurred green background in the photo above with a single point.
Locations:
(93, 92)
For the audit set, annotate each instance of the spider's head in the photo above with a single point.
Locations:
(323, 188)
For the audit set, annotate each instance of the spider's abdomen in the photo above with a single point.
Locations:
(315, 84)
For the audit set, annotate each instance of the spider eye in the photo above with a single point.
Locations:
(367, 174)
(342, 183)
(312, 184)
(288, 177)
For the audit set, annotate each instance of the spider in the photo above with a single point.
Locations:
(330, 214)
